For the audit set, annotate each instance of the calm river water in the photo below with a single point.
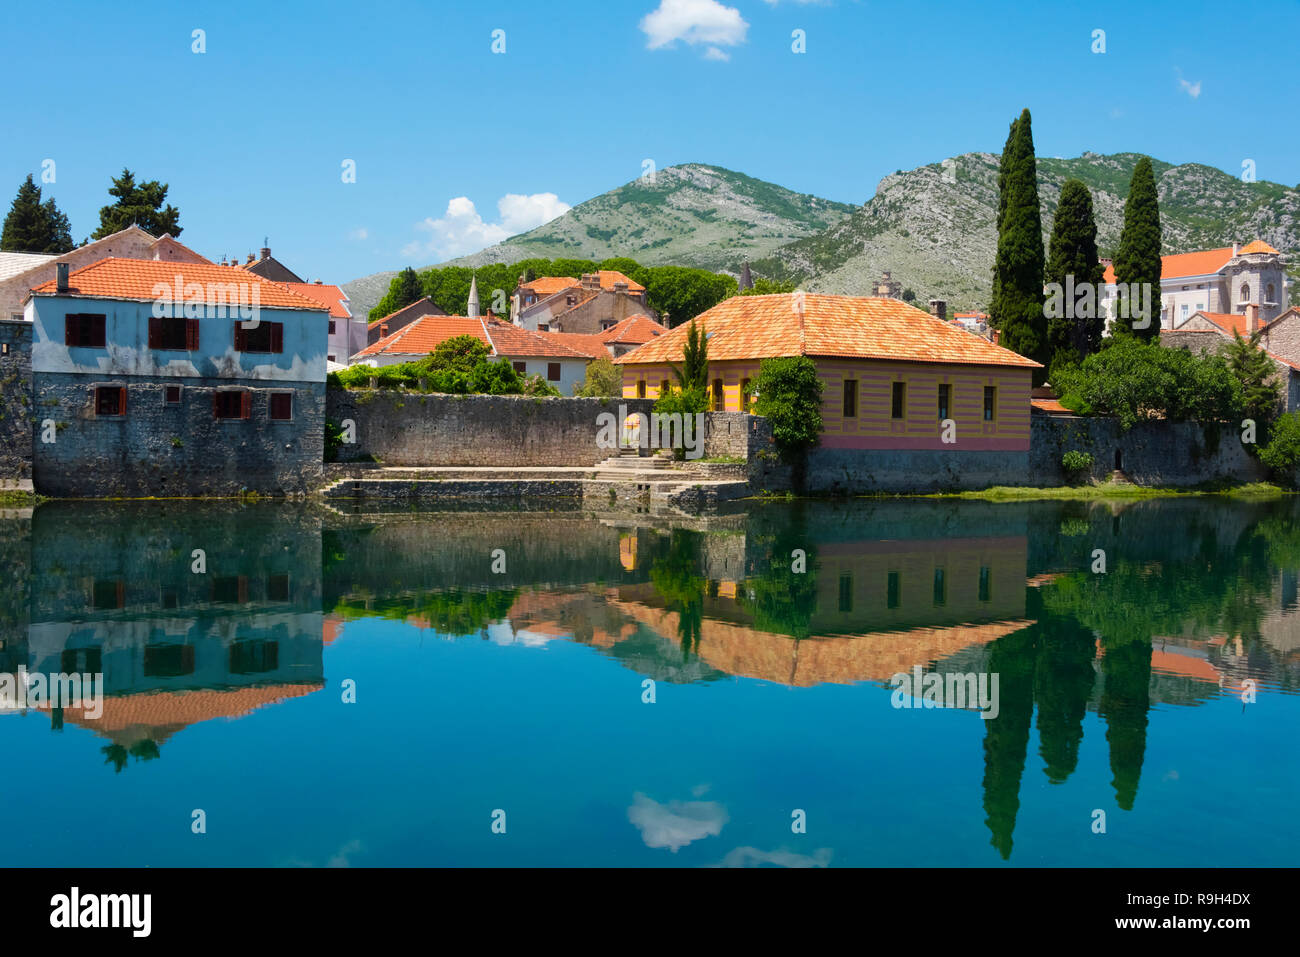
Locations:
(292, 686)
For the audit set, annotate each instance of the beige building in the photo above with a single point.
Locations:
(592, 305)
(22, 272)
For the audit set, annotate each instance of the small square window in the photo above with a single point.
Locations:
(521, 367)
(110, 400)
(231, 404)
(331, 327)
(281, 406)
(173, 395)
(553, 371)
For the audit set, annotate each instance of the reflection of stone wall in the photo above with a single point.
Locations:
(400, 428)
(15, 561)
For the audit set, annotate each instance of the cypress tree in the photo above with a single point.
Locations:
(406, 289)
(1074, 329)
(1137, 263)
(1003, 165)
(35, 227)
(1017, 306)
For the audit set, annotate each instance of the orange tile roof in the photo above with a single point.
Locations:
(1049, 405)
(634, 331)
(502, 339)
(136, 279)
(759, 327)
(1259, 246)
(545, 286)
(589, 344)
(610, 276)
(1205, 262)
(510, 340)
(425, 334)
(331, 296)
(1229, 322)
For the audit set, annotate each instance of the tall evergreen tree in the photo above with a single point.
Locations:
(1017, 306)
(406, 289)
(694, 373)
(1137, 263)
(1075, 327)
(35, 227)
(1003, 166)
(138, 203)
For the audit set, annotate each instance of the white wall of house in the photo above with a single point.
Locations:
(571, 371)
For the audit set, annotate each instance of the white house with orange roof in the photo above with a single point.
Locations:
(155, 378)
(1227, 280)
(591, 305)
(531, 353)
(347, 333)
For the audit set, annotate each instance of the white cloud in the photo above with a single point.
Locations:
(713, 53)
(693, 22)
(753, 857)
(461, 229)
(677, 823)
(1191, 89)
(361, 233)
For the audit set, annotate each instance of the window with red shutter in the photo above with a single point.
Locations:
(110, 400)
(191, 335)
(155, 332)
(277, 337)
(245, 405)
(281, 406)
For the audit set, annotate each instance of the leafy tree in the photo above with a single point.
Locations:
(1134, 380)
(628, 267)
(138, 203)
(1073, 252)
(909, 296)
(788, 394)
(1137, 263)
(604, 380)
(1017, 307)
(1260, 390)
(769, 287)
(683, 293)
(407, 289)
(1282, 453)
(33, 226)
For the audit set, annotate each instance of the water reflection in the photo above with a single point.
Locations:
(1198, 601)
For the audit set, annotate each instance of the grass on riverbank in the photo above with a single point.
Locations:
(1116, 491)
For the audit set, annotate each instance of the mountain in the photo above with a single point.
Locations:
(689, 215)
(933, 228)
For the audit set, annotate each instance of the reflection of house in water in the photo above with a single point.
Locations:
(175, 645)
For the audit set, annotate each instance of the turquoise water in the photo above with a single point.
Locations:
(379, 689)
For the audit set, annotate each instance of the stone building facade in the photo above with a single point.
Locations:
(130, 403)
(15, 405)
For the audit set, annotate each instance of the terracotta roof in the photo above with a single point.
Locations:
(1206, 262)
(549, 285)
(589, 344)
(136, 279)
(759, 327)
(970, 315)
(425, 334)
(502, 339)
(511, 341)
(1229, 322)
(608, 277)
(1049, 405)
(331, 296)
(634, 330)
(1259, 246)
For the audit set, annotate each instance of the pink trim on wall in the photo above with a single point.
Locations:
(977, 443)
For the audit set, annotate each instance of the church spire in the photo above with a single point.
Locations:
(471, 309)
(746, 280)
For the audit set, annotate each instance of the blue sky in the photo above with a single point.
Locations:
(252, 134)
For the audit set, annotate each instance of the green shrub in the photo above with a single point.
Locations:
(1282, 453)
(788, 395)
(604, 380)
(1075, 461)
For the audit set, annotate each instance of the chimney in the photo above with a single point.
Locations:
(591, 280)
(620, 287)
(61, 274)
(1252, 317)
(1236, 249)
(266, 252)
(250, 258)
(939, 309)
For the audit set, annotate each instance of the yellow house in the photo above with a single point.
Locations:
(893, 377)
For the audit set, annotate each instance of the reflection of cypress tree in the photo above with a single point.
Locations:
(676, 578)
(1007, 737)
(1124, 703)
(1062, 684)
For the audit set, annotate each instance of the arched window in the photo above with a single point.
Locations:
(1245, 292)
(1269, 297)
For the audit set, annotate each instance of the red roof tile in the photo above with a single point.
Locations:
(608, 277)
(758, 327)
(331, 296)
(1205, 262)
(502, 339)
(545, 286)
(633, 331)
(589, 344)
(512, 341)
(141, 279)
